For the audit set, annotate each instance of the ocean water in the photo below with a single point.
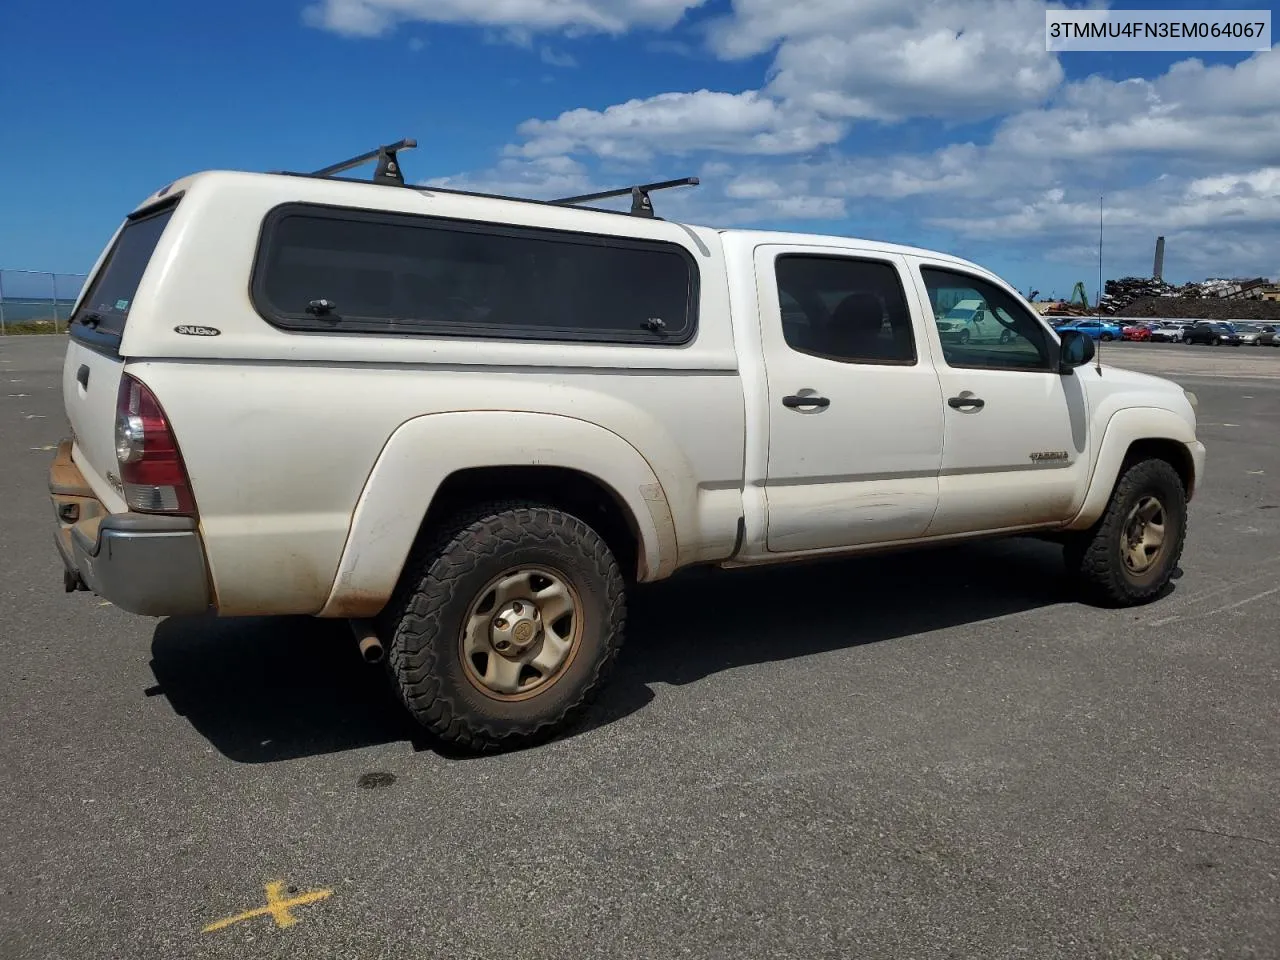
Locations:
(25, 310)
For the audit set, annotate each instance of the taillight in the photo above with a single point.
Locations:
(151, 467)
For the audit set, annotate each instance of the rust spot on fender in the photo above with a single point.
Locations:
(664, 524)
(355, 605)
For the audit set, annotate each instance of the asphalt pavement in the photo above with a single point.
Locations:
(934, 755)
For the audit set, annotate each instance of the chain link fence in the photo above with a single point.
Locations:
(33, 301)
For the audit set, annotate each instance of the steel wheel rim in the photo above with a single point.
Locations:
(1144, 534)
(521, 632)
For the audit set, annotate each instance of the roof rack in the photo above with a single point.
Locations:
(641, 205)
(388, 169)
(389, 173)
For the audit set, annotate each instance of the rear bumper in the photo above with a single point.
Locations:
(146, 564)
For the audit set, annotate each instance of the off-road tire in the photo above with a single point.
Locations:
(422, 623)
(1095, 557)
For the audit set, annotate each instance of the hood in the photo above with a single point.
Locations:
(1136, 389)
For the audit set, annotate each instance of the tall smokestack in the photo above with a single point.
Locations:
(1158, 269)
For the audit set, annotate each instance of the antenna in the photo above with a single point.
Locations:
(1097, 354)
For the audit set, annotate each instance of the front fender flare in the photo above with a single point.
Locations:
(1126, 427)
(423, 452)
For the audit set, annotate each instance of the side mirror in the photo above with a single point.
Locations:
(1077, 350)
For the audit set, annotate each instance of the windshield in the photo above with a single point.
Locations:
(106, 304)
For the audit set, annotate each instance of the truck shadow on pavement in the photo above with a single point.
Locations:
(272, 689)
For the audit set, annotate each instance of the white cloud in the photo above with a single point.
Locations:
(1261, 183)
(554, 59)
(889, 59)
(373, 17)
(1219, 113)
(544, 178)
(1239, 202)
(679, 124)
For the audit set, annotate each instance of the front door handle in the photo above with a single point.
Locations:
(959, 403)
(795, 402)
(82, 376)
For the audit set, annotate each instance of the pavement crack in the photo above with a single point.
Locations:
(1234, 836)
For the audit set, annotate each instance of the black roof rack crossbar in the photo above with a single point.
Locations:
(388, 172)
(641, 205)
(388, 169)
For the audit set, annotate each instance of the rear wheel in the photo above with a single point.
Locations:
(1130, 554)
(1106, 336)
(506, 626)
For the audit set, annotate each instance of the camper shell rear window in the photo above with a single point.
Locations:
(105, 307)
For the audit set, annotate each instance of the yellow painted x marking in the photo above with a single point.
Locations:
(277, 906)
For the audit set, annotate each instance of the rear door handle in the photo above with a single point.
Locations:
(959, 403)
(810, 401)
(82, 375)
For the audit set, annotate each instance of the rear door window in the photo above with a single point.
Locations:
(844, 309)
(106, 305)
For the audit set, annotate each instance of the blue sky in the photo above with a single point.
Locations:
(938, 122)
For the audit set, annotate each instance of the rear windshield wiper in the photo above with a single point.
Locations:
(90, 319)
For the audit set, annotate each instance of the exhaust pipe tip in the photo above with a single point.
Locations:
(371, 649)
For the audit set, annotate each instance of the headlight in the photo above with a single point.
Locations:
(1191, 399)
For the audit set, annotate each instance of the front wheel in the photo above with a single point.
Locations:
(1130, 554)
(506, 626)
(1106, 337)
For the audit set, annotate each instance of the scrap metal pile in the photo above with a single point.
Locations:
(1214, 299)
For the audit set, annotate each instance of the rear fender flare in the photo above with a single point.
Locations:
(423, 452)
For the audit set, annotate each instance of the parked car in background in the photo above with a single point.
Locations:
(972, 321)
(1136, 331)
(1097, 329)
(1168, 333)
(1212, 333)
(1257, 334)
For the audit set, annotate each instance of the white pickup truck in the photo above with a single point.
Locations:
(470, 423)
